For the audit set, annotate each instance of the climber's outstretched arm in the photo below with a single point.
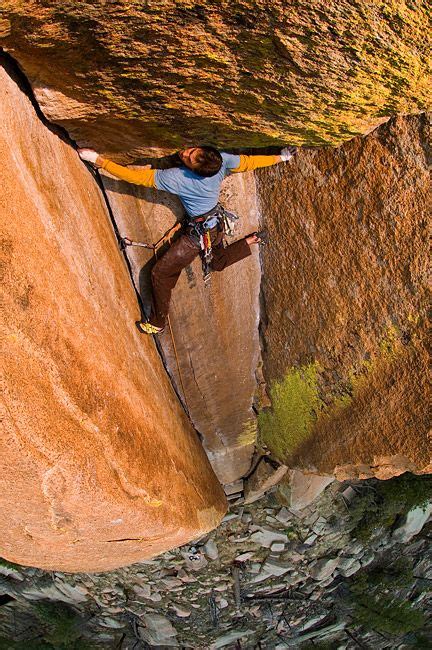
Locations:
(249, 163)
(144, 177)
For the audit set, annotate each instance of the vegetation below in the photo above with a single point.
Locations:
(59, 628)
(381, 504)
(377, 600)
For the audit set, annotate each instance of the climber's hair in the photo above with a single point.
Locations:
(208, 160)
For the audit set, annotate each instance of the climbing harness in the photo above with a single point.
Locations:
(200, 228)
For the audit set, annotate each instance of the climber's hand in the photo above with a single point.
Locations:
(287, 153)
(89, 155)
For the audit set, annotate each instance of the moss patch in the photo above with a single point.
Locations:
(295, 403)
(302, 404)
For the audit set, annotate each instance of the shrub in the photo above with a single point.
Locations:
(385, 501)
(62, 626)
(377, 607)
(386, 614)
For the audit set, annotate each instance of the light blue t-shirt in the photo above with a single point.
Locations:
(197, 193)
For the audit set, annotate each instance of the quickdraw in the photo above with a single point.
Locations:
(206, 253)
(126, 241)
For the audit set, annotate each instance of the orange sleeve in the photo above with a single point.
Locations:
(144, 177)
(249, 163)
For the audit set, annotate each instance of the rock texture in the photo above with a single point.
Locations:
(99, 464)
(346, 297)
(215, 329)
(125, 76)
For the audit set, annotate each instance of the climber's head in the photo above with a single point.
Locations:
(205, 161)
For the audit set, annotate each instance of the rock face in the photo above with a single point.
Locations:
(346, 297)
(214, 329)
(99, 465)
(125, 76)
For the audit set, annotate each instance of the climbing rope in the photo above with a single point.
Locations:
(126, 241)
(162, 240)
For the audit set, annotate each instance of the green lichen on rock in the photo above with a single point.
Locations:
(250, 73)
(295, 403)
(302, 403)
(249, 433)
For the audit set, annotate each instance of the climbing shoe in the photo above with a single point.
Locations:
(148, 328)
(262, 236)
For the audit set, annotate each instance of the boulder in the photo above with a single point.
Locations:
(181, 612)
(414, 522)
(305, 488)
(347, 566)
(322, 569)
(263, 478)
(265, 537)
(211, 550)
(158, 630)
(275, 567)
(230, 638)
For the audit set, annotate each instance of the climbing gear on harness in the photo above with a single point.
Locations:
(148, 328)
(200, 227)
(206, 252)
(229, 221)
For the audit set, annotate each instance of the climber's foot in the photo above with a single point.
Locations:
(148, 328)
(260, 237)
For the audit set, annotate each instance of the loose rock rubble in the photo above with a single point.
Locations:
(267, 575)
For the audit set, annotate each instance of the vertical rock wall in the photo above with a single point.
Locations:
(345, 289)
(99, 464)
(214, 330)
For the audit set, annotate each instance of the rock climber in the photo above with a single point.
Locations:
(196, 181)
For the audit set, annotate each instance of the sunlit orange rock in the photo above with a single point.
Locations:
(99, 464)
(128, 76)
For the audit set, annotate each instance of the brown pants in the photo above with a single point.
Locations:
(166, 271)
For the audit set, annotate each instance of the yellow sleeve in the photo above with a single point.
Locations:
(249, 163)
(144, 177)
